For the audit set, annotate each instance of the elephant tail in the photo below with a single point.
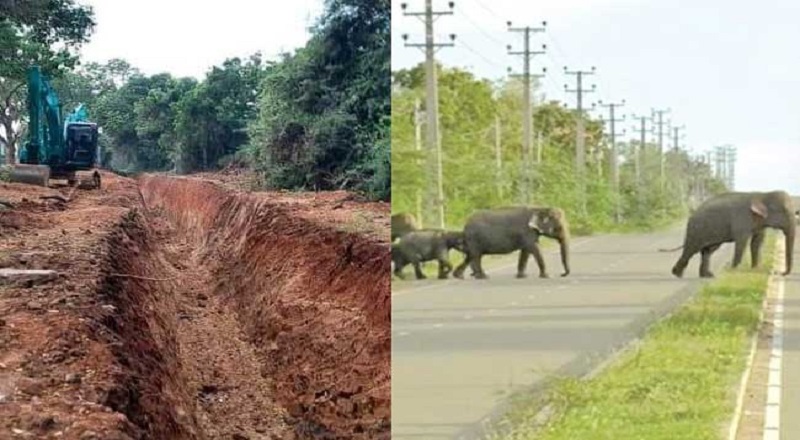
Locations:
(671, 250)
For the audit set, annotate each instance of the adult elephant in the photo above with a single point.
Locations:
(737, 217)
(402, 224)
(423, 245)
(505, 230)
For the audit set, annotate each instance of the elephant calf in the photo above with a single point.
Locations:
(505, 230)
(424, 245)
(737, 217)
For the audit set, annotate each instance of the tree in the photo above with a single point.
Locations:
(323, 111)
(47, 33)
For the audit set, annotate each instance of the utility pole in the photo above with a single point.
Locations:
(639, 152)
(675, 166)
(498, 155)
(435, 198)
(580, 147)
(661, 151)
(613, 160)
(676, 137)
(418, 117)
(730, 166)
(527, 114)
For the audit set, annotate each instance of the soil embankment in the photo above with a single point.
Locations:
(186, 310)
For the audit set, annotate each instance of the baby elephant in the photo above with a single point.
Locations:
(425, 245)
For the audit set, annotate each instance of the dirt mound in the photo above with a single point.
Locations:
(314, 300)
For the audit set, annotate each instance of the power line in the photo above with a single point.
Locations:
(478, 54)
(487, 9)
(480, 29)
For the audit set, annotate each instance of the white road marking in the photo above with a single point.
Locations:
(439, 325)
(403, 333)
(467, 316)
(772, 411)
(513, 303)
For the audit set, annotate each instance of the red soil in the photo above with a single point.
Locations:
(185, 310)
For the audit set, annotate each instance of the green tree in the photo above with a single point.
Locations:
(47, 33)
(323, 111)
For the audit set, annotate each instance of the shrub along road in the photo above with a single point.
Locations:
(459, 347)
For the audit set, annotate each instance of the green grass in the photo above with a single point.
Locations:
(678, 383)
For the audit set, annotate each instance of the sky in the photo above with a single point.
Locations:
(188, 37)
(726, 70)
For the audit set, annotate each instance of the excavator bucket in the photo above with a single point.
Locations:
(31, 174)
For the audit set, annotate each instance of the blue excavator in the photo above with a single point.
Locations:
(57, 147)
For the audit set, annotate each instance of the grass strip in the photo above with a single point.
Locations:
(679, 382)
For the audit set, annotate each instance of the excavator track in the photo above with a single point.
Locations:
(31, 174)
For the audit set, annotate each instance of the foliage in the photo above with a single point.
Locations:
(323, 111)
(47, 33)
(476, 175)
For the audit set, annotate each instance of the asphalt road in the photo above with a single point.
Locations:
(458, 347)
(790, 400)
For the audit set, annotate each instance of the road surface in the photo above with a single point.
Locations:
(790, 402)
(458, 347)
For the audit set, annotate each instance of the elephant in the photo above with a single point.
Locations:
(423, 245)
(402, 224)
(737, 217)
(508, 229)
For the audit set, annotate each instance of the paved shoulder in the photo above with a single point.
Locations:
(459, 347)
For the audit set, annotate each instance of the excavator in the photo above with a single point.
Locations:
(57, 147)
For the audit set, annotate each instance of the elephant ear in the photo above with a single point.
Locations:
(533, 223)
(758, 208)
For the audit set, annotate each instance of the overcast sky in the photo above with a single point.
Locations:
(727, 69)
(188, 37)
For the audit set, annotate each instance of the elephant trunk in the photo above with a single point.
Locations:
(563, 241)
(789, 232)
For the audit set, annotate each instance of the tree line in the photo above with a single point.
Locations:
(481, 143)
(315, 119)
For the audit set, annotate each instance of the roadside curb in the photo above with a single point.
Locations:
(771, 313)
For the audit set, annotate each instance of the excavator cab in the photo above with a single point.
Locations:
(81, 151)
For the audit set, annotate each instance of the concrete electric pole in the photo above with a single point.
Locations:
(435, 199)
(614, 159)
(527, 113)
(659, 121)
(580, 141)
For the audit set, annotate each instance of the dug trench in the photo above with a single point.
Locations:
(228, 315)
(261, 324)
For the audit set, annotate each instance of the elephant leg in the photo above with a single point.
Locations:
(459, 272)
(683, 261)
(705, 262)
(738, 253)
(537, 255)
(444, 265)
(418, 270)
(755, 248)
(477, 268)
(398, 272)
(399, 265)
(522, 263)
